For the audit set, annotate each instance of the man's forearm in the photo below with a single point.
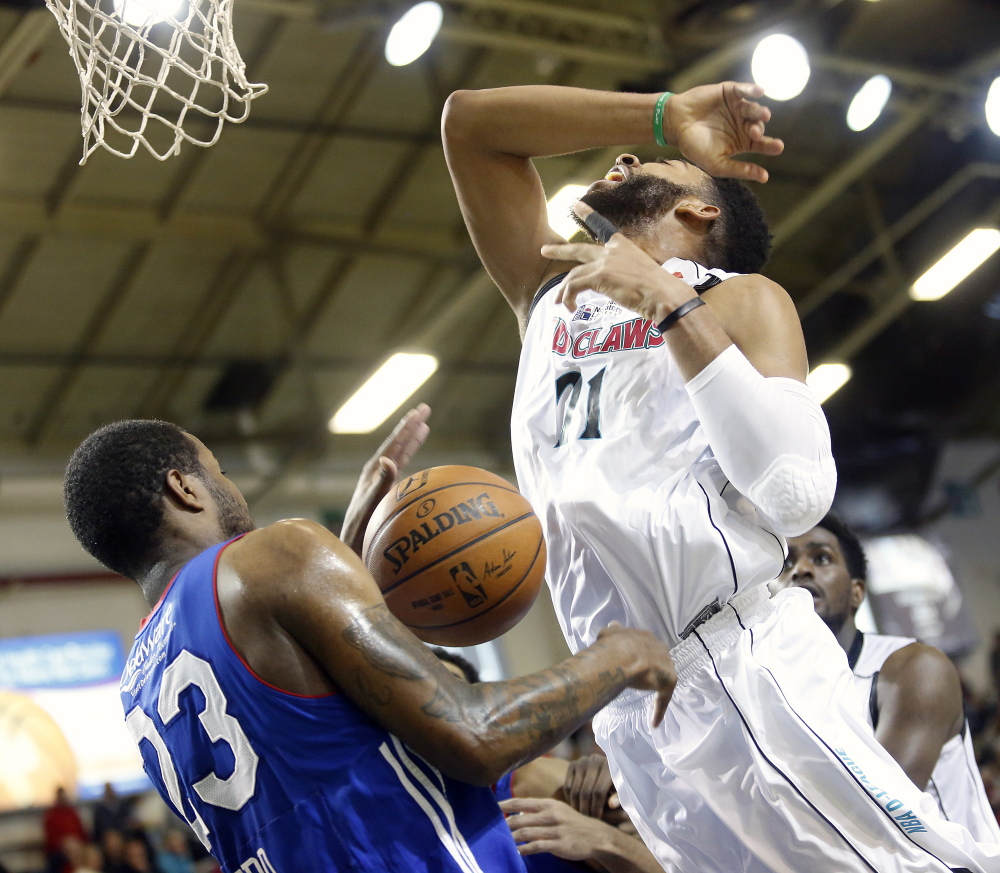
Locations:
(617, 852)
(532, 121)
(513, 721)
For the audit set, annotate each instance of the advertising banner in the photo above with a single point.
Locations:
(61, 720)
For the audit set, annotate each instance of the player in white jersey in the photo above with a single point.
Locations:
(668, 447)
(911, 693)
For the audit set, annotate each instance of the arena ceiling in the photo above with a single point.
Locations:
(245, 290)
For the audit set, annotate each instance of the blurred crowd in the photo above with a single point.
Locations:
(582, 806)
(117, 841)
(983, 714)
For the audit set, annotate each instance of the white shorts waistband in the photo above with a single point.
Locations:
(721, 630)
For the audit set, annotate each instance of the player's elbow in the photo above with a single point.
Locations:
(471, 758)
(795, 493)
(459, 118)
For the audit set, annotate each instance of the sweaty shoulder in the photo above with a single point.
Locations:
(288, 550)
(920, 665)
(922, 676)
(760, 317)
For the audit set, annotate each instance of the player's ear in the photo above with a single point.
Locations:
(858, 591)
(184, 490)
(694, 211)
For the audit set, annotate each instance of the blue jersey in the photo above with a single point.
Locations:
(274, 782)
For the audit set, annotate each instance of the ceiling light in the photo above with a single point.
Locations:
(413, 34)
(780, 66)
(869, 102)
(384, 392)
(827, 379)
(993, 106)
(139, 13)
(957, 264)
(560, 209)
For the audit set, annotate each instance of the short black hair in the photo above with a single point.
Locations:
(113, 490)
(468, 670)
(850, 545)
(740, 239)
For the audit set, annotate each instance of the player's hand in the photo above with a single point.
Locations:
(588, 787)
(621, 270)
(381, 471)
(650, 663)
(711, 124)
(546, 825)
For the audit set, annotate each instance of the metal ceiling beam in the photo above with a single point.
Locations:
(27, 37)
(830, 188)
(127, 361)
(895, 232)
(858, 164)
(99, 321)
(205, 317)
(116, 221)
(299, 336)
(892, 306)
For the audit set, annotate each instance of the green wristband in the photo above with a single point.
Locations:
(658, 117)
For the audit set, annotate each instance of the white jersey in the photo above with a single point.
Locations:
(955, 782)
(606, 439)
(760, 765)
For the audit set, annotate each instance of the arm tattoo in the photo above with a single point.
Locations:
(525, 716)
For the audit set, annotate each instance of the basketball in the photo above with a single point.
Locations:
(458, 554)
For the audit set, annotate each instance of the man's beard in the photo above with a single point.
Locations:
(635, 204)
(835, 622)
(234, 517)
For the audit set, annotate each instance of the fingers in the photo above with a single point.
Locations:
(662, 699)
(741, 170)
(407, 437)
(578, 280)
(582, 252)
(573, 787)
(519, 805)
(748, 90)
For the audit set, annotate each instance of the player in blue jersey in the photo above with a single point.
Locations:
(279, 707)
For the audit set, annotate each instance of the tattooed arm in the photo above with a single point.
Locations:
(303, 609)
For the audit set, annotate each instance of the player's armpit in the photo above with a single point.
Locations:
(920, 708)
(760, 318)
(501, 198)
(298, 575)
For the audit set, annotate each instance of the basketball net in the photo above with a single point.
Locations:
(155, 72)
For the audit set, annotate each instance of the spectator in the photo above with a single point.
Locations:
(113, 846)
(111, 812)
(137, 857)
(995, 661)
(90, 860)
(61, 821)
(175, 857)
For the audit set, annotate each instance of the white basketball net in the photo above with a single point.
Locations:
(155, 72)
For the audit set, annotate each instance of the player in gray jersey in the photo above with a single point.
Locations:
(910, 692)
(664, 434)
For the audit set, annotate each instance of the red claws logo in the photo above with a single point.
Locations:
(624, 336)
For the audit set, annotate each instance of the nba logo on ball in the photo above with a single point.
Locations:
(457, 553)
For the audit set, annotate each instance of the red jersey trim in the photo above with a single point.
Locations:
(234, 650)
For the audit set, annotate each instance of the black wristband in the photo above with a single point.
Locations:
(679, 313)
(600, 227)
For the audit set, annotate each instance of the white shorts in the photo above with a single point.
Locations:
(763, 763)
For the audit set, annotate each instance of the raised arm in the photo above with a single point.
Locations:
(490, 137)
(297, 576)
(919, 708)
